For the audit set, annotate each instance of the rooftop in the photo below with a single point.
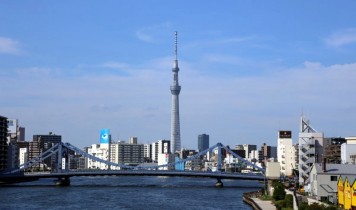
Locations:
(338, 169)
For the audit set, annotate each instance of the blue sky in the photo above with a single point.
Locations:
(247, 68)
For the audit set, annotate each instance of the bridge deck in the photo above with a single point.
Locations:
(218, 175)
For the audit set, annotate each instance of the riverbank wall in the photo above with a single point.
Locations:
(247, 198)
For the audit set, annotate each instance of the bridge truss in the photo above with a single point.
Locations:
(61, 149)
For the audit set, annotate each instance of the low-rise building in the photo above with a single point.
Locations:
(323, 180)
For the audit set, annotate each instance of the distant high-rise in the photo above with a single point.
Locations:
(175, 90)
(266, 153)
(40, 144)
(248, 149)
(203, 142)
(3, 143)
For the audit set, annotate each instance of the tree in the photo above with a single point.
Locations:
(278, 193)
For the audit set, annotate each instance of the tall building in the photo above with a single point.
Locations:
(15, 132)
(266, 153)
(42, 143)
(248, 149)
(147, 152)
(160, 147)
(16, 138)
(285, 154)
(3, 143)
(203, 142)
(310, 149)
(175, 90)
(133, 140)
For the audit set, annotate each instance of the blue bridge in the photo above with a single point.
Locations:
(62, 175)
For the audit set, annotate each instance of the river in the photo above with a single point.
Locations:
(128, 193)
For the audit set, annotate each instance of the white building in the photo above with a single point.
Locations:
(285, 152)
(310, 149)
(147, 151)
(348, 153)
(100, 152)
(165, 158)
(159, 147)
(253, 155)
(23, 155)
(248, 148)
(351, 140)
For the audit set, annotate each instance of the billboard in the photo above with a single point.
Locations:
(285, 134)
(104, 136)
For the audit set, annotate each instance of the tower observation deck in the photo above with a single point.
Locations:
(175, 90)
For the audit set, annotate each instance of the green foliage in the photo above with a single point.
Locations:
(266, 197)
(316, 206)
(280, 204)
(289, 201)
(278, 193)
(303, 206)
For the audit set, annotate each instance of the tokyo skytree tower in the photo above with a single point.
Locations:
(175, 90)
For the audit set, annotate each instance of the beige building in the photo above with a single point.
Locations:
(285, 152)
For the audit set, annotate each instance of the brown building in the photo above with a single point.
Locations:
(266, 153)
(39, 145)
(332, 149)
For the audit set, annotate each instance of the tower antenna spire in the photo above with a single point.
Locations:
(176, 45)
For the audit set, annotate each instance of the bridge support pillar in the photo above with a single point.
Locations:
(63, 181)
(219, 183)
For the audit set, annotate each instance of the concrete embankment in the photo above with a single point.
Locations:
(252, 199)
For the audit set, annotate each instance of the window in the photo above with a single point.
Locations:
(333, 178)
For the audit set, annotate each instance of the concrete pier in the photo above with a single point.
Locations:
(63, 181)
(219, 183)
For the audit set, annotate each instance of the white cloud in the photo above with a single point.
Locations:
(230, 109)
(341, 38)
(153, 33)
(9, 46)
(141, 35)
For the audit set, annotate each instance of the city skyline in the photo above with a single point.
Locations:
(250, 69)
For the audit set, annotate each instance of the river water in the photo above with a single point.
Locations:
(128, 193)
